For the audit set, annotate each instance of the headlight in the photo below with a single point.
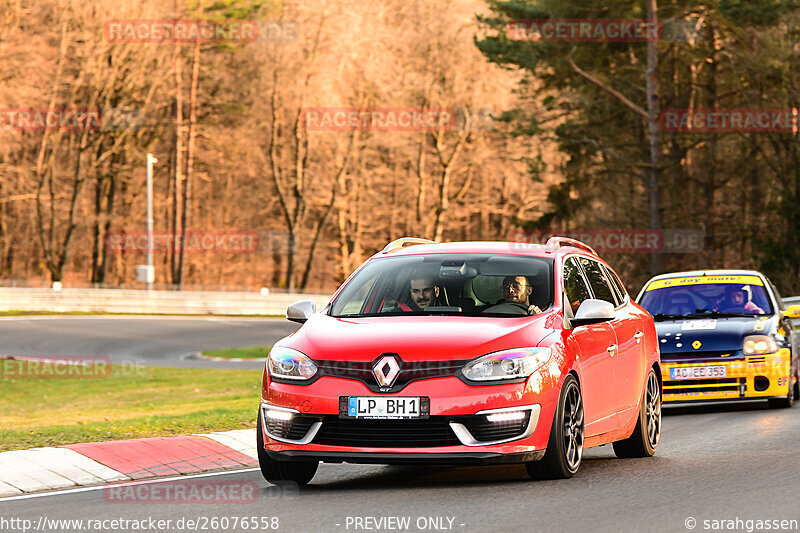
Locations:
(759, 345)
(508, 364)
(285, 363)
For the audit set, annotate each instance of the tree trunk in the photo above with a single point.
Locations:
(177, 249)
(654, 130)
(187, 188)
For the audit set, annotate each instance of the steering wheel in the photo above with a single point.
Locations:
(511, 308)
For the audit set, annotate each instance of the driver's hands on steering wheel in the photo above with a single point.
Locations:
(533, 310)
(529, 309)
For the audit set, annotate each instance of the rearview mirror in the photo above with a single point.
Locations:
(301, 311)
(592, 312)
(793, 311)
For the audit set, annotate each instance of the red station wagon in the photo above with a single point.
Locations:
(465, 353)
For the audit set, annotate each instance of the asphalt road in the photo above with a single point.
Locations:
(147, 341)
(714, 463)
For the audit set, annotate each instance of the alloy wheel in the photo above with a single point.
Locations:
(573, 427)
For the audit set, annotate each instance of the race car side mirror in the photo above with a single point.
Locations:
(301, 311)
(593, 311)
(793, 311)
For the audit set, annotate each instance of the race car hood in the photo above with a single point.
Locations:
(415, 338)
(687, 336)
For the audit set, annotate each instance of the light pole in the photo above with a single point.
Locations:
(150, 270)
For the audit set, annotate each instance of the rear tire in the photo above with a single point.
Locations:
(565, 446)
(282, 472)
(644, 440)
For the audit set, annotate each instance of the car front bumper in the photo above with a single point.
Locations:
(457, 431)
(762, 376)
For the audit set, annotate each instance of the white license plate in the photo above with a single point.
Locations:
(384, 407)
(698, 372)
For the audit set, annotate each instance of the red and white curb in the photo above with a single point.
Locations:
(97, 463)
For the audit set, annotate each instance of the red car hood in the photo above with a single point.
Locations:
(415, 338)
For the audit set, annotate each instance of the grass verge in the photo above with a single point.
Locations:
(125, 403)
(249, 352)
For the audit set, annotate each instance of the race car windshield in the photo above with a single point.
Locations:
(701, 297)
(448, 284)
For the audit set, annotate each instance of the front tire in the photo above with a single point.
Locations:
(644, 440)
(565, 446)
(282, 472)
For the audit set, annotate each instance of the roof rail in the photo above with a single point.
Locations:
(554, 243)
(404, 241)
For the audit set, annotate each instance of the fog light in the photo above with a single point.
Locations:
(761, 383)
(506, 417)
(279, 415)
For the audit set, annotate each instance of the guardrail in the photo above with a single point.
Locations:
(155, 302)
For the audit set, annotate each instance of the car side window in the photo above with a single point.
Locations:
(574, 285)
(616, 285)
(600, 287)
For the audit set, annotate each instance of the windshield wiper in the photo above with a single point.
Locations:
(717, 314)
(666, 316)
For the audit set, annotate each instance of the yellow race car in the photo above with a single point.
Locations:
(723, 335)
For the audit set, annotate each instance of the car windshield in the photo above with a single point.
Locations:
(706, 296)
(448, 284)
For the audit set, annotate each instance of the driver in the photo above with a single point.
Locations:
(736, 301)
(516, 291)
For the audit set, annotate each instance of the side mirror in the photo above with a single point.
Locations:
(793, 311)
(301, 311)
(592, 312)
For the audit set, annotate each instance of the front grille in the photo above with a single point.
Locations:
(702, 385)
(409, 371)
(294, 429)
(700, 356)
(401, 433)
(485, 431)
(757, 360)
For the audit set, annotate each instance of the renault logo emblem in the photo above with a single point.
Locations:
(696, 345)
(386, 370)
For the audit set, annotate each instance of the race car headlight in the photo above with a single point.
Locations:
(507, 364)
(285, 363)
(759, 345)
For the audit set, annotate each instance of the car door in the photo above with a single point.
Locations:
(592, 342)
(632, 357)
(627, 355)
